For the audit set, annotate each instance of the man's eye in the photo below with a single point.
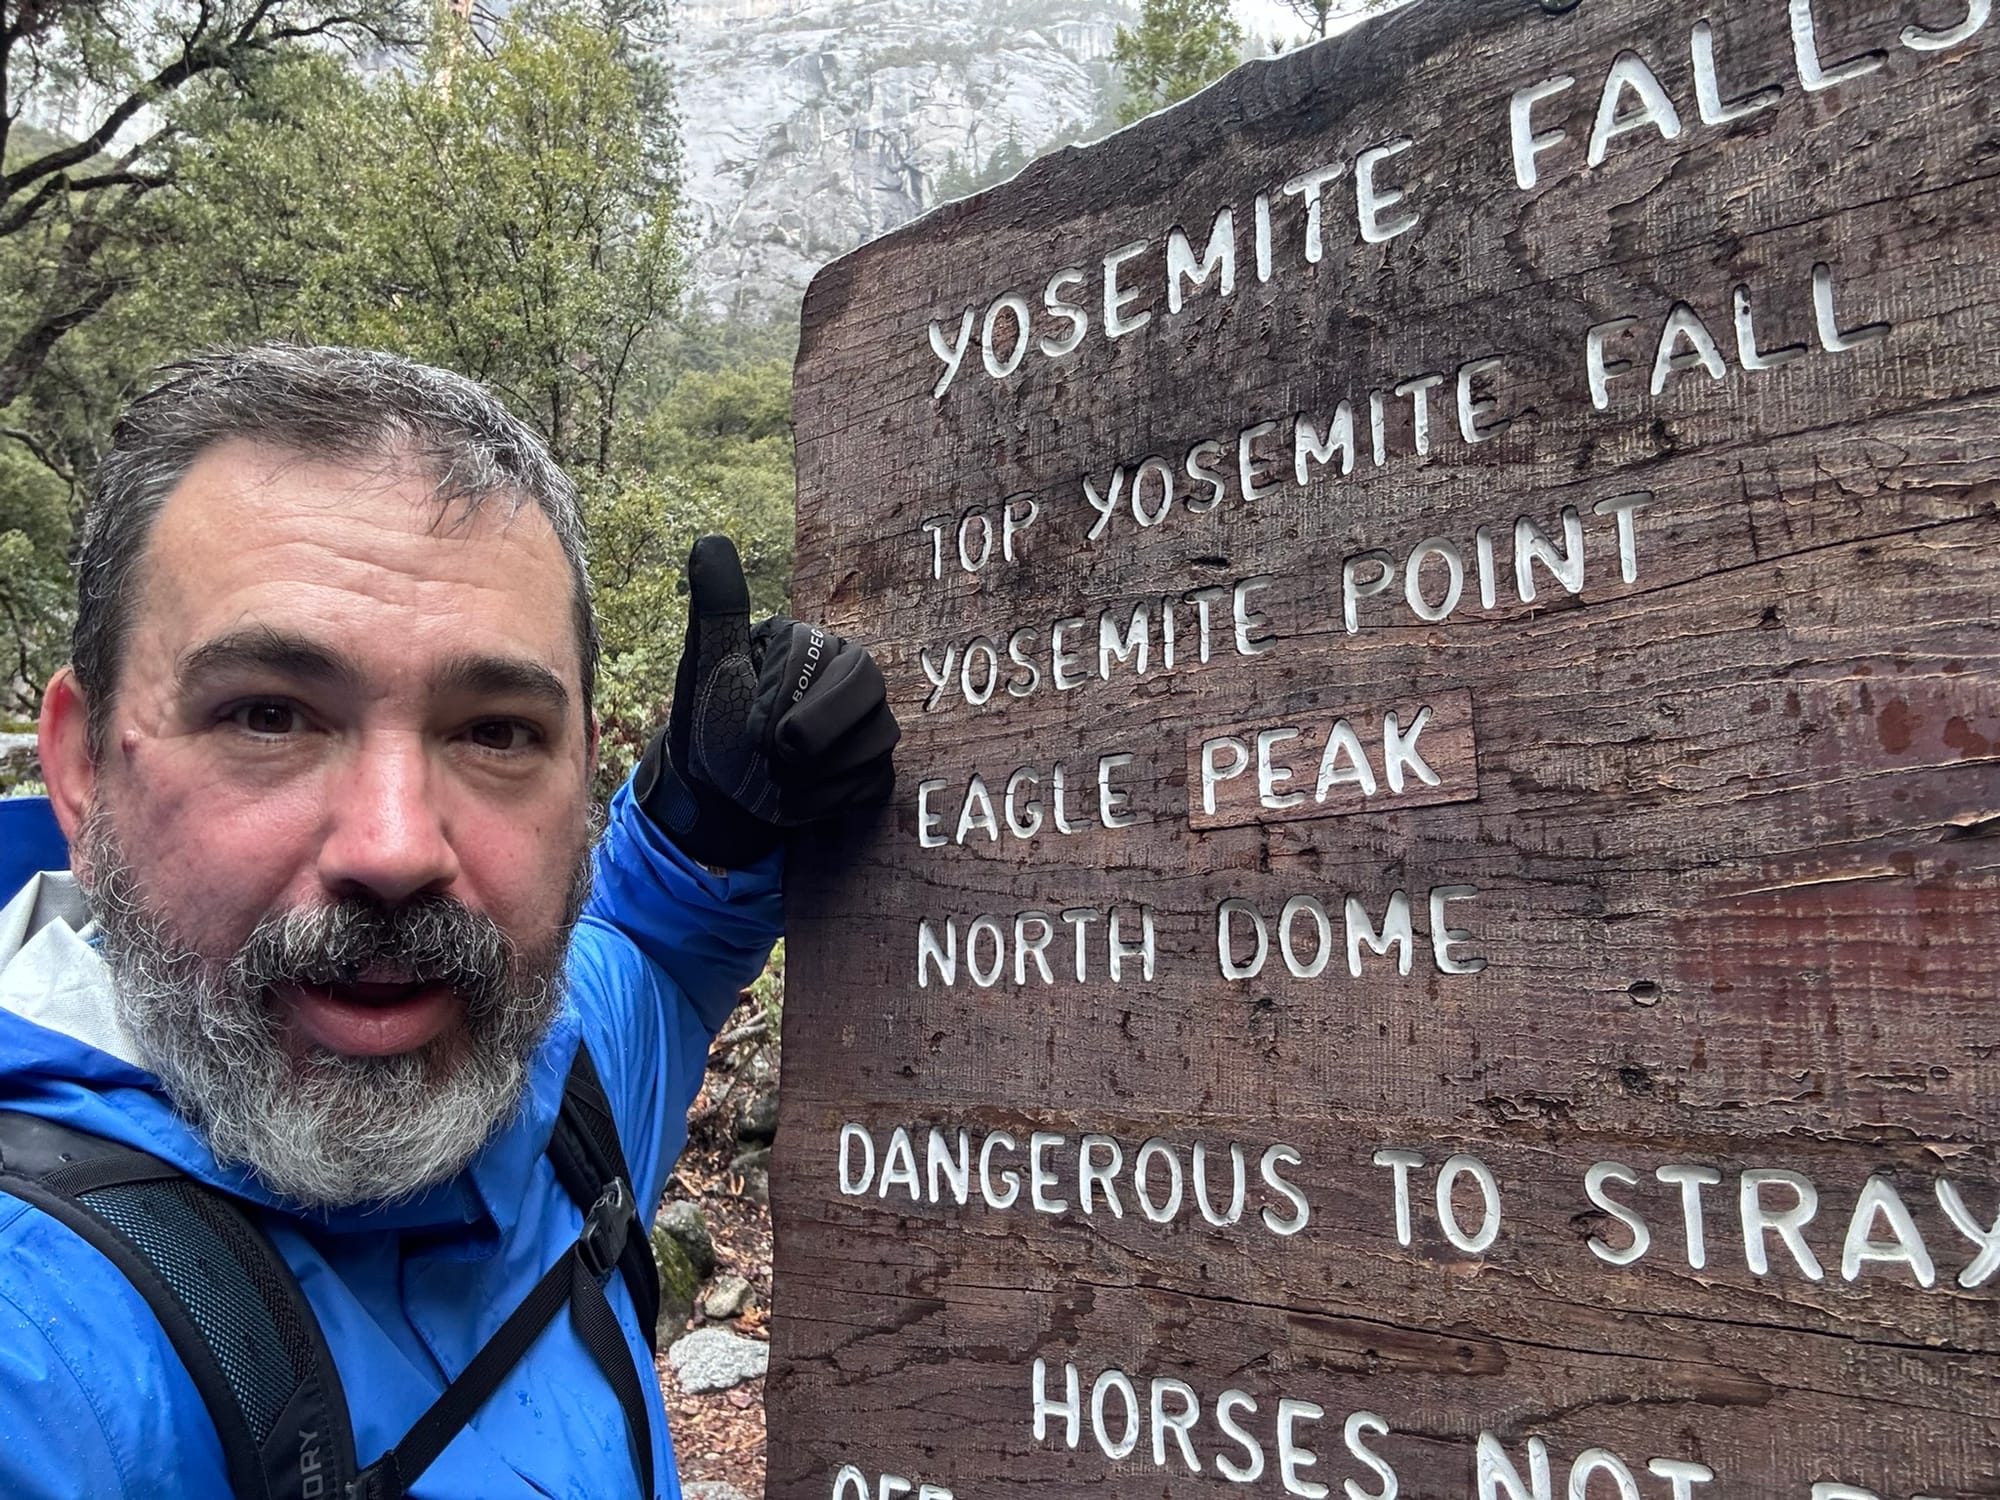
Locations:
(501, 734)
(266, 718)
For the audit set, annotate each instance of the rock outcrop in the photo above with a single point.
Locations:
(813, 125)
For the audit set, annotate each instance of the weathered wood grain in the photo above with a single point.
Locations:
(1727, 828)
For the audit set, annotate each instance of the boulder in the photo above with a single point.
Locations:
(759, 1121)
(754, 1167)
(714, 1359)
(679, 1283)
(18, 764)
(726, 1297)
(684, 1224)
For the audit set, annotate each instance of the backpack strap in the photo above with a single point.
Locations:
(586, 1155)
(242, 1327)
(577, 1278)
(590, 1164)
(230, 1306)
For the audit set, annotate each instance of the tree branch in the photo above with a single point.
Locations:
(255, 19)
(142, 180)
(759, 1027)
(42, 455)
(19, 217)
(191, 64)
(31, 350)
(198, 56)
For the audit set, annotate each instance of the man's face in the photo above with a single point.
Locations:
(336, 827)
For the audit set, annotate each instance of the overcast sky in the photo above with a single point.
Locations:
(1263, 18)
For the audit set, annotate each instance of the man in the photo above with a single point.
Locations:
(323, 753)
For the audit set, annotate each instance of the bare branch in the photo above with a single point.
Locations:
(745, 1032)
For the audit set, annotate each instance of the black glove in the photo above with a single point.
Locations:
(771, 728)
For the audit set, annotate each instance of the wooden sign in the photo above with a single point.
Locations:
(1438, 931)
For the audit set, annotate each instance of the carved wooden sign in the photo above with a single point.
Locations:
(1437, 933)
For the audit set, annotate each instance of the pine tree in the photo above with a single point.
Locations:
(1178, 47)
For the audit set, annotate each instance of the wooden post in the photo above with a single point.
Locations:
(1437, 932)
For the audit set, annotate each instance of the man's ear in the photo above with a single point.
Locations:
(64, 742)
(593, 739)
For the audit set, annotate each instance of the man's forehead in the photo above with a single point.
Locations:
(257, 534)
(248, 478)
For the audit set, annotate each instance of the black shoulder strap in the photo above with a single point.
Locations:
(241, 1326)
(587, 1157)
(590, 1164)
(229, 1304)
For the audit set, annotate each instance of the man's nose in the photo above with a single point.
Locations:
(386, 829)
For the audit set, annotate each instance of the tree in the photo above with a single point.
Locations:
(506, 208)
(510, 209)
(127, 74)
(1178, 47)
(503, 202)
(1316, 14)
(716, 455)
(124, 91)
(961, 177)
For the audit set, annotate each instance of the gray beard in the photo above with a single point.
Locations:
(318, 1127)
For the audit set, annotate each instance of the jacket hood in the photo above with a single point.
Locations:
(66, 1056)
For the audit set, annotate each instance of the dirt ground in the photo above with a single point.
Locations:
(719, 1436)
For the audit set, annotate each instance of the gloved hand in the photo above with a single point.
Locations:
(771, 728)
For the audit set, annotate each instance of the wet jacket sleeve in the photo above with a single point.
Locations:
(660, 958)
(55, 1437)
(708, 933)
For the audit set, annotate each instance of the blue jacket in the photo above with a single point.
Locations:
(93, 1401)
(29, 841)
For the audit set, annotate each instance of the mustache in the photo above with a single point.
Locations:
(429, 940)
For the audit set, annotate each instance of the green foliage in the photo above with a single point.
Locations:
(961, 178)
(87, 218)
(716, 455)
(507, 206)
(507, 209)
(77, 215)
(1178, 48)
(34, 578)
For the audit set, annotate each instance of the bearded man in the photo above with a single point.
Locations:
(338, 949)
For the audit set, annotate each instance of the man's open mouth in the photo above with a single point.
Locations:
(371, 1017)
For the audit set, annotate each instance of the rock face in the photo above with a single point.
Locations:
(813, 125)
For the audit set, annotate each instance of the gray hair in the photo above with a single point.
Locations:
(318, 402)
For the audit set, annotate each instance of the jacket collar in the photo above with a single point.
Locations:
(49, 969)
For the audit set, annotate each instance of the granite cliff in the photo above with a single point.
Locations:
(813, 125)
